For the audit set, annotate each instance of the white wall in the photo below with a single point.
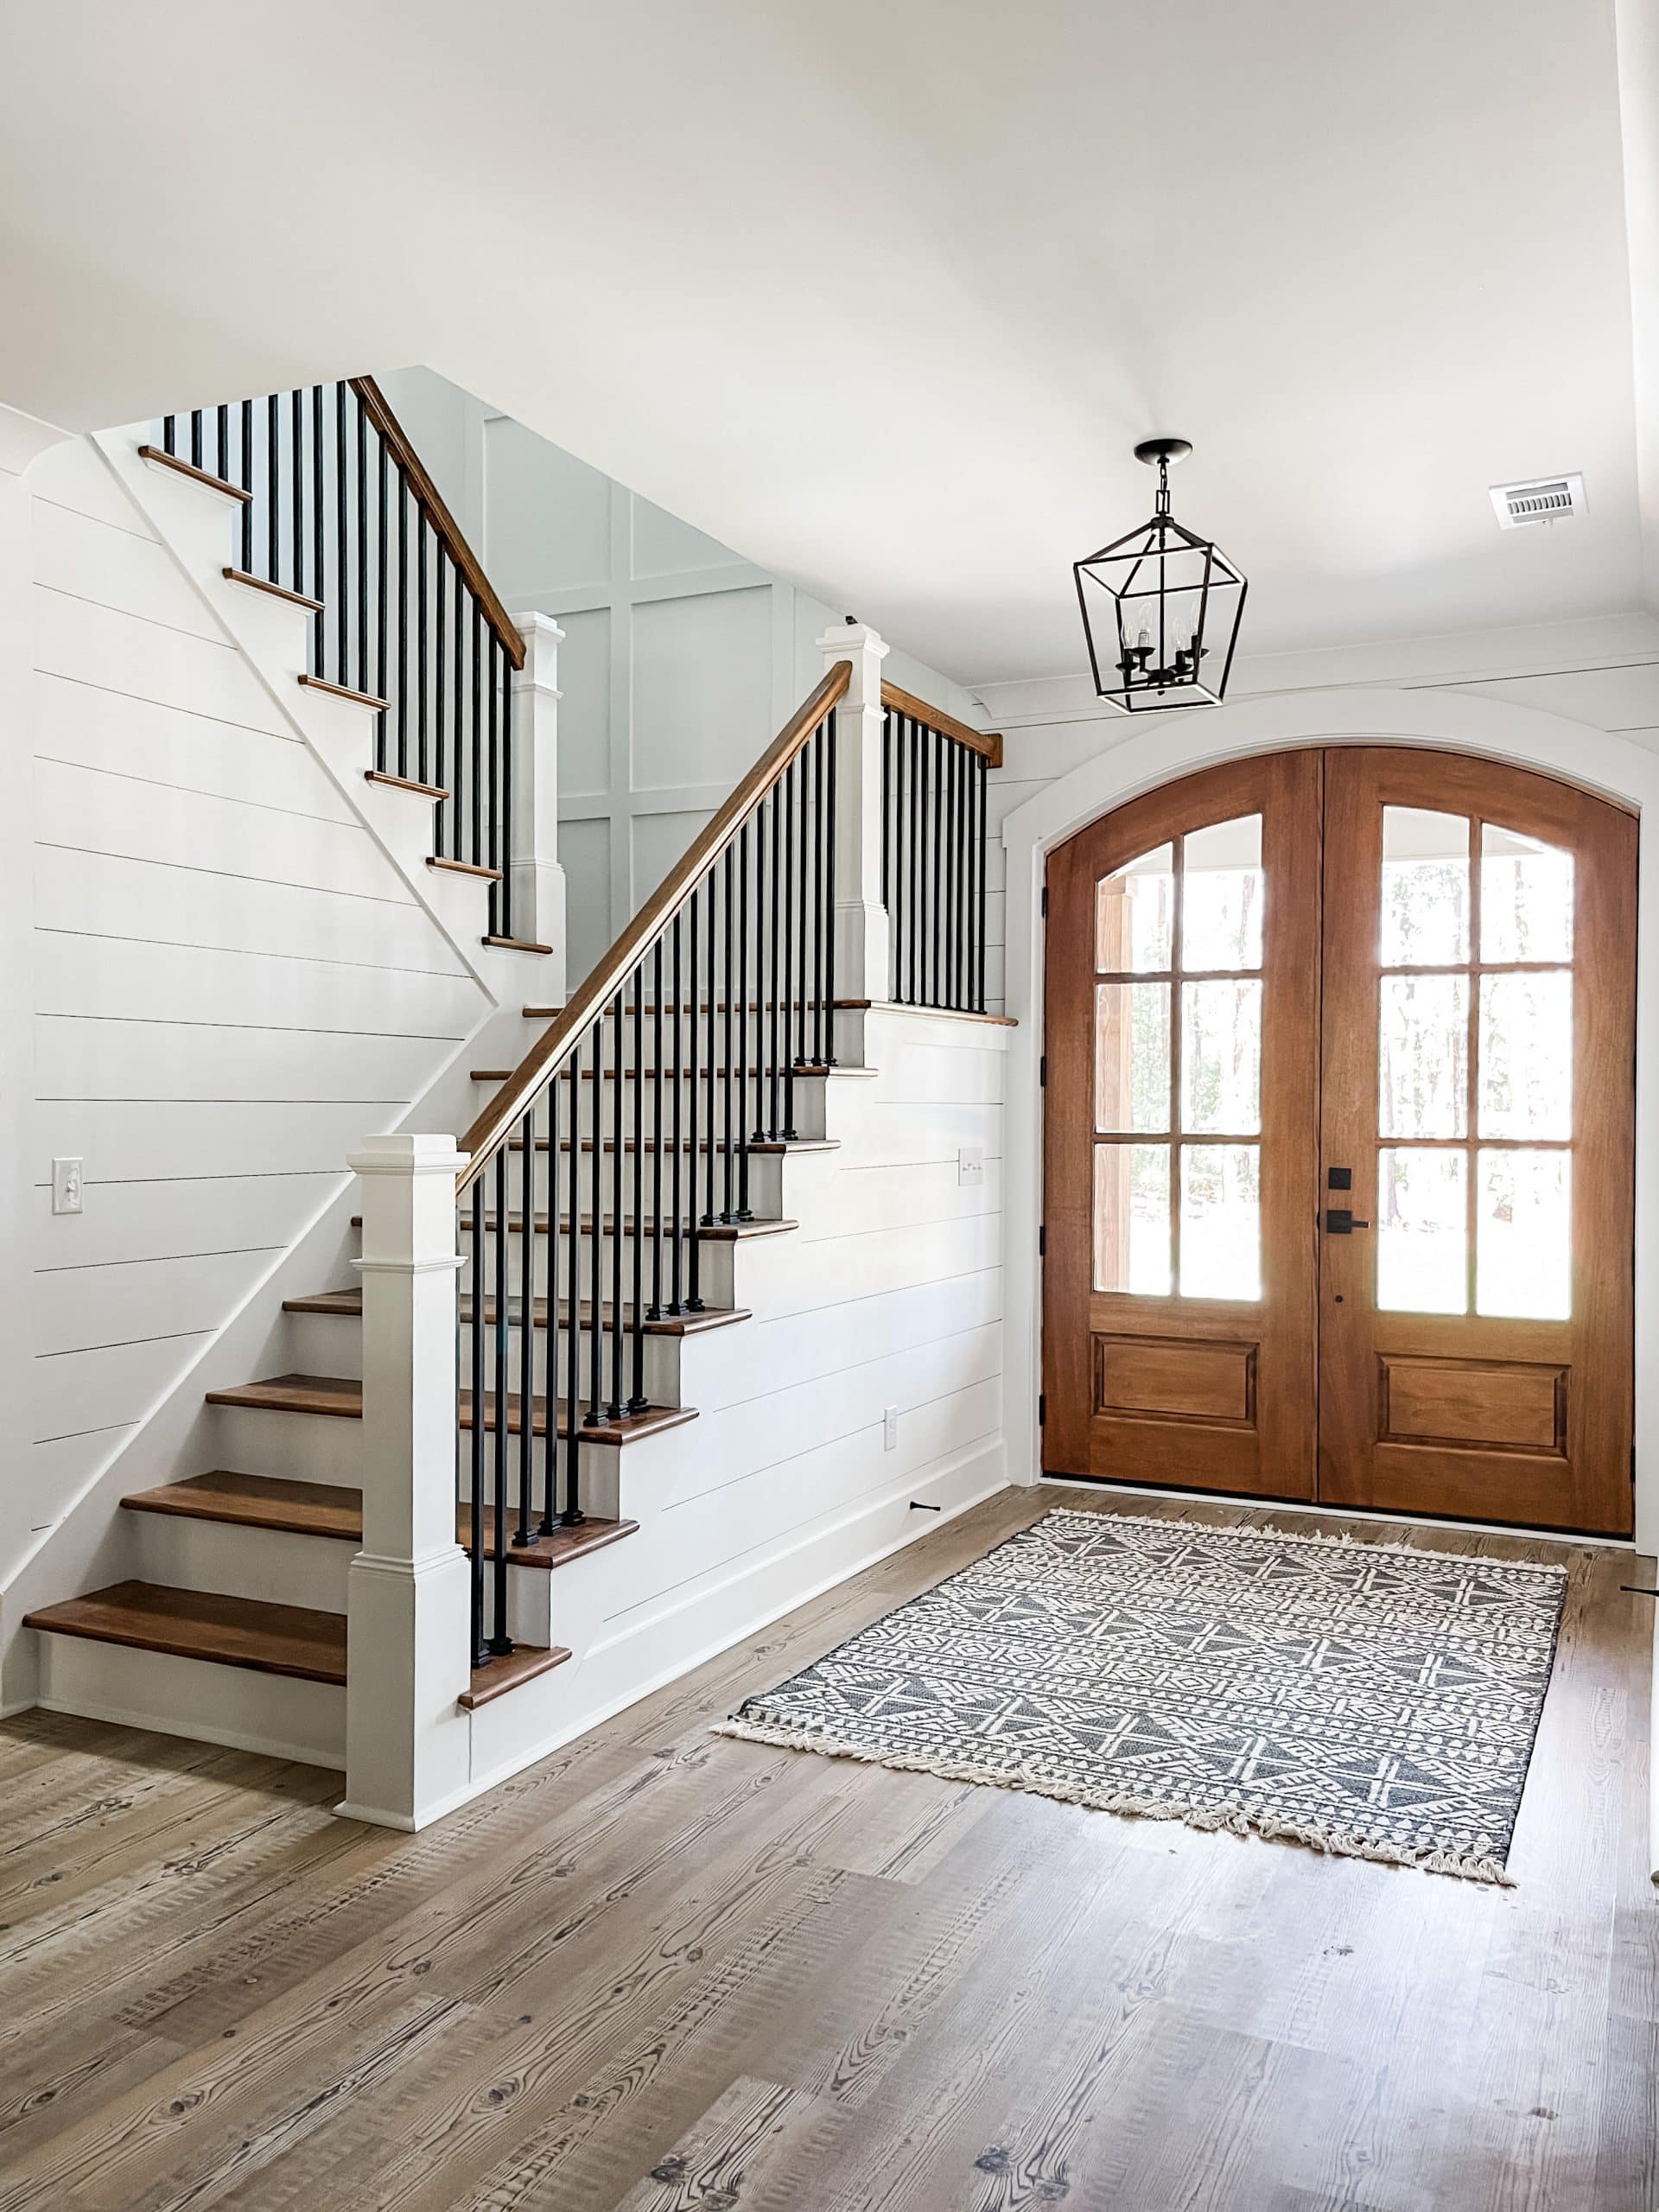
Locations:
(233, 983)
(681, 660)
(1603, 671)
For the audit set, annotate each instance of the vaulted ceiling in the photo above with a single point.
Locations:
(881, 294)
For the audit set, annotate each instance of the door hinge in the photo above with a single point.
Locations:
(1042, 1409)
(1044, 902)
(1042, 1242)
(1042, 1072)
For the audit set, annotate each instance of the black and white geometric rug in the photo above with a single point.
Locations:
(1365, 1699)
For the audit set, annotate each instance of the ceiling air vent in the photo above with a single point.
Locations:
(1544, 498)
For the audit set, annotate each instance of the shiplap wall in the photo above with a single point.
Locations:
(232, 984)
(681, 660)
(1602, 670)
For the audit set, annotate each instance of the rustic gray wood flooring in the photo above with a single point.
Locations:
(666, 1970)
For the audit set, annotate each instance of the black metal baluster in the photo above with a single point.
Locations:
(476, 1437)
(657, 1134)
(420, 644)
(403, 624)
(458, 765)
(917, 853)
(551, 1337)
(527, 1328)
(774, 1120)
(761, 1084)
(689, 1071)
(596, 1233)
(787, 1132)
(677, 1274)
(245, 478)
(948, 943)
(362, 548)
(296, 487)
(571, 1235)
(170, 434)
(222, 443)
(342, 588)
(618, 1160)
(502, 671)
(476, 735)
(743, 1212)
(492, 780)
(382, 610)
(636, 1319)
(726, 1079)
(500, 1642)
(195, 437)
(829, 738)
(709, 1208)
(318, 537)
(935, 928)
(818, 747)
(273, 480)
(440, 749)
(984, 870)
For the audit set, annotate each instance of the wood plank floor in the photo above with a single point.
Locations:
(666, 1970)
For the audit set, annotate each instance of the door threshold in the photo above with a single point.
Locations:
(1097, 1485)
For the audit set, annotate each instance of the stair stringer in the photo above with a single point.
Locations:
(889, 1292)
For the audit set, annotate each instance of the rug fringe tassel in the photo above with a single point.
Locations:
(1341, 1542)
(1318, 1837)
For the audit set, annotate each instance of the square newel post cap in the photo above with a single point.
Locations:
(398, 1154)
(858, 643)
(543, 638)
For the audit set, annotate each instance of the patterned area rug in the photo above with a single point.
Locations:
(1363, 1698)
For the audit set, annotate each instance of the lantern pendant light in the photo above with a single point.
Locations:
(1161, 607)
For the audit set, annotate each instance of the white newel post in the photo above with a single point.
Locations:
(861, 934)
(407, 1656)
(538, 878)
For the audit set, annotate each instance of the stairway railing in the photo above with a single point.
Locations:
(343, 515)
(679, 1053)
(933, 851)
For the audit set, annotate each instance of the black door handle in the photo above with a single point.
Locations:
(1340, 1222)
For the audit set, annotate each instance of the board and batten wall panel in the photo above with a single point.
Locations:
(233, 984)
(681, 660)
(1603, 671)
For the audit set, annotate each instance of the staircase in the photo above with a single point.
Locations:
(624, 1200)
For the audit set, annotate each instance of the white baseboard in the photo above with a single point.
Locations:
(197, 1731)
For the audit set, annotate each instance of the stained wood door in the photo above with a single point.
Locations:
(1181, 1267)
(1340, 1139)
(1479, 1005)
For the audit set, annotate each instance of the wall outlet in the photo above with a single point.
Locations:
(890, 1428)
(970, 1165)
(67, 1179)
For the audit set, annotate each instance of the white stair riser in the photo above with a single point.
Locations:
(275, 1565)
(662, 1383)
(323, 1344)
(721, 1267)
(766, 1173)
(195, 1698)
(809, 1119)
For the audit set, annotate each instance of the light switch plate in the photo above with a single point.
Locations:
(66, 1178)
(890, 1428)
(970, 1165)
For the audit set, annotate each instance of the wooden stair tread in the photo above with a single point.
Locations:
(345, 691)
(275, 591)
(164, 460)
(205, 1625)
(342, 1398)
(517, 944)
(497, 1676)
(258, 1502)
(404, 783)
(349, 1304)
(557, 1549)
(336, 1394)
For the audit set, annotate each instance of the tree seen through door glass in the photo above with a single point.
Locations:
(1425, 906)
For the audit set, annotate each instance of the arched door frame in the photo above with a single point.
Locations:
(1158, 752)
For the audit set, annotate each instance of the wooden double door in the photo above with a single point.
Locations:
(1339, 1140)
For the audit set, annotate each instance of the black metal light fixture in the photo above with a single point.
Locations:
(1161, 607)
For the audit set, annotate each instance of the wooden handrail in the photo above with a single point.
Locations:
(605, 978)
(905, 702)
(395, 440)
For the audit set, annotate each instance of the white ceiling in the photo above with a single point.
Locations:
(881, 293)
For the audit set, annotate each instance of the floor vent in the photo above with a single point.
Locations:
(1543, 498)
